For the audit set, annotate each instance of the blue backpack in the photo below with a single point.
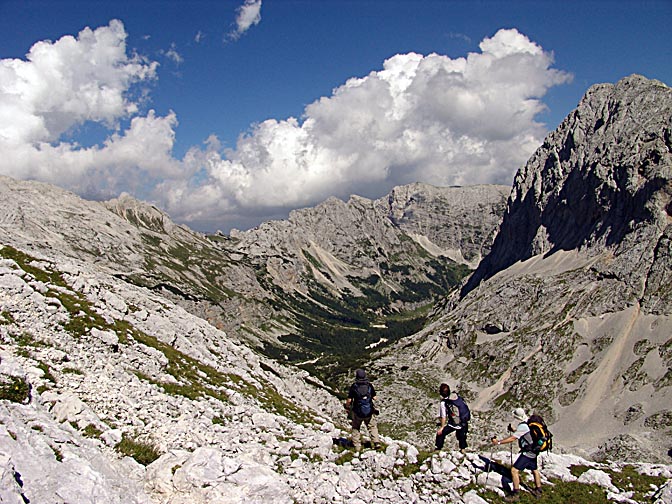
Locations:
(465, 414)
(363, 400)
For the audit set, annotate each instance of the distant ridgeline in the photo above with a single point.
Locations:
(321, 289)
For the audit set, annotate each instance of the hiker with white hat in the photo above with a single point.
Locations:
(526, 460)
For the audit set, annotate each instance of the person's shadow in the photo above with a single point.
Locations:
(492, 466)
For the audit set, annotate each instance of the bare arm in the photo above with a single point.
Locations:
(507, 440)
(443, 420)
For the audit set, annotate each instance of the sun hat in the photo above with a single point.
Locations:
(519, 414)
(360, 374)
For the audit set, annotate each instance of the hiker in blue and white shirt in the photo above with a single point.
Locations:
(527, 459)
(451, 418)
(357, 400)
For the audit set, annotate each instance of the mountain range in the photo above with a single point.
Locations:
(223, 358)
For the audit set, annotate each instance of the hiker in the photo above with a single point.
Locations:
(454, 416)
(527, 458)
(362, 410)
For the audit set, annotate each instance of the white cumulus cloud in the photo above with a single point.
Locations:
(248, 14)
(421, 118)
(62, 85)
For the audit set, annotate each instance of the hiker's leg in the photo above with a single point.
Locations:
(372, 425)
(356, 435)
(515, 477)
(537, 479)
(522, 462)
(462, 436)
(441, 438)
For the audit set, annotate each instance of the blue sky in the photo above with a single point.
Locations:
(229, 113)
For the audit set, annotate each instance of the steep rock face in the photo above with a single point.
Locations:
(602, 179)
(337, 241)
(461, 222)
(570, 314)
(457, 220)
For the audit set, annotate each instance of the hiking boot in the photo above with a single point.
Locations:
(537, 492)
(513, 497)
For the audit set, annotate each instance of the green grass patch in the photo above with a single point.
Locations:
(578, 470)
(629, 479)
(144, 453)
(6, 318)
(561, 492)
(15, 389)
(57, 453)
(92, 431)
(345, 457)
(71, 370)
(27, 264)
(407, 470)
(48, 375)
(26, 339)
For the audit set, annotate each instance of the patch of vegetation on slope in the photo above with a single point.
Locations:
(190, 270)
(191, 378)
(337, 331)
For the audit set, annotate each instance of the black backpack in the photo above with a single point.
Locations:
(541, 438)
(462, 408)
(363, 401)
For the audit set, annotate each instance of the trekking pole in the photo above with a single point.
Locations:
(509, 428)
(492, 454)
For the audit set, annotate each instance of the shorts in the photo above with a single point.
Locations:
(524, 462)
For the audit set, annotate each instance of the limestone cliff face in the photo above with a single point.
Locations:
(461, 221)
(570, 314)
(601, 180)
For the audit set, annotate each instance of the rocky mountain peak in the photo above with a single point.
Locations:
(602, 176)
(140, 213)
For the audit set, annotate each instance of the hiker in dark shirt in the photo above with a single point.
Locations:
(454, 416)
(360, 405)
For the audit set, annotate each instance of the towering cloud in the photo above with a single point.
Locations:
(61, 86)
(421, 118)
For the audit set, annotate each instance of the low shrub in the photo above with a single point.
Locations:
(143, 453)
(14, 389)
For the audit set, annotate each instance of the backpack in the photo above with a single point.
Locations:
(363, 401)
(462, 409)
(541, 437)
